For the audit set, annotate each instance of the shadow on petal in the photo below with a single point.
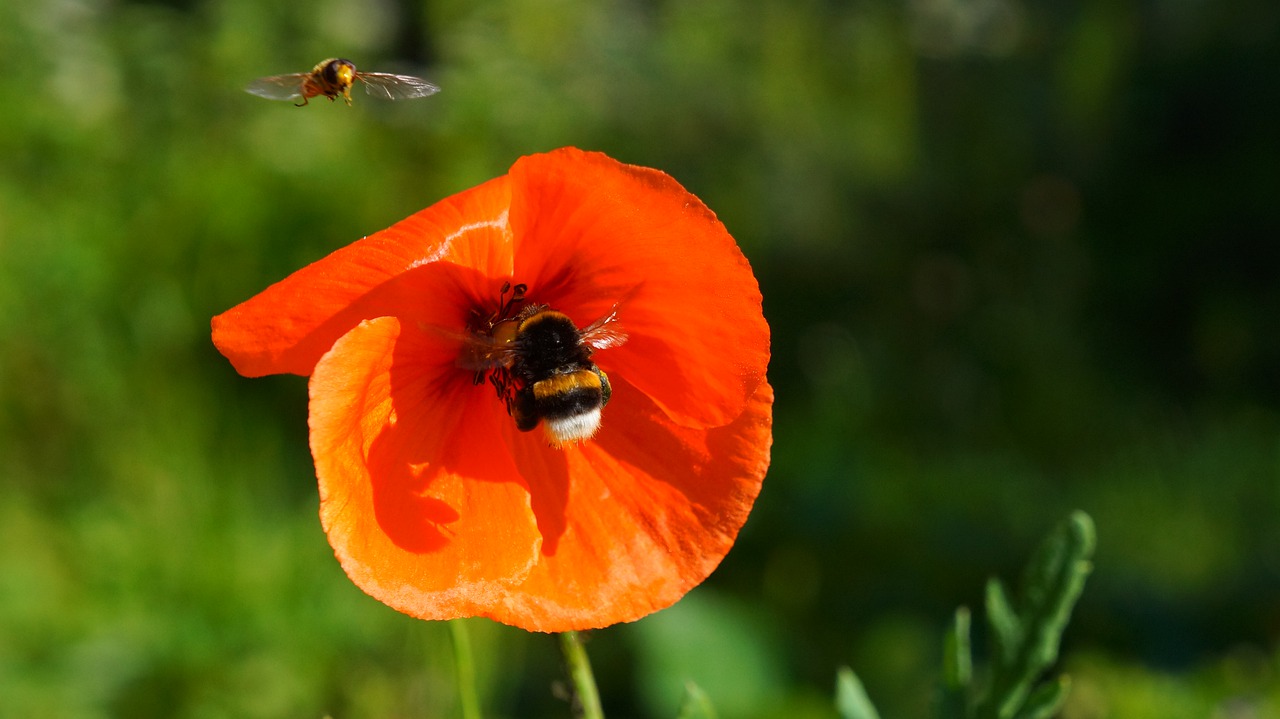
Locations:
(546, 471)
(408, 514)
(652, 508)
(422, 503)
(717, 471)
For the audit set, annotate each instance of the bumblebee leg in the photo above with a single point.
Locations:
(523, 411)
(606, 389)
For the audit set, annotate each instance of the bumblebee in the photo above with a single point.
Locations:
(539, 362)
(334, 77)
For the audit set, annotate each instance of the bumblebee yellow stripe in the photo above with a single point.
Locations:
(543, 316)
(562, 383)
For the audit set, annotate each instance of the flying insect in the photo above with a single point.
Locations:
(539, 361)
(333, 78)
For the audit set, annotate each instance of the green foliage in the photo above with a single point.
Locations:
(716, 644)
(1239, 682)
(695, 704)
(1025, 639)
(1013, 263)
(852, 701)
(957, 668)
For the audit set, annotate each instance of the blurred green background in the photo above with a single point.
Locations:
(1019, 258)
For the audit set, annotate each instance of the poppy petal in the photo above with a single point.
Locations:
(394, 435)
(640, 514)
(433, 501)
(591, 231)
(288, 326)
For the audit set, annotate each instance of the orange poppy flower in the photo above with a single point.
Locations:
(434, 502)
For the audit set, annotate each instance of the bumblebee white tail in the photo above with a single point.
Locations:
(574, 427)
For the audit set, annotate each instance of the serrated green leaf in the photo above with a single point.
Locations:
(1053, 588)
(1052, 583)
(695, 704)
(852, 701)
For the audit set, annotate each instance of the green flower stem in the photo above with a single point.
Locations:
(584, 682)
(466, 666)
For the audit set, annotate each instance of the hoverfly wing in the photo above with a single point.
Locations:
(605, 332)
(278, 87)
(395, 87)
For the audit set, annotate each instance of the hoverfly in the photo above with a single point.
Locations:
(334, 77)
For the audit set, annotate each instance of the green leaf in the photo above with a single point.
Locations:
(1045, 701)
(852, 701)
(1028, 639)
(1005, 627)
(695, 704)
(957, 670)
(1025, 638)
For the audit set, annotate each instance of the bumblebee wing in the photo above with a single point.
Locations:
(478, 352)
(395, 87)
(278, 87)
(604, 332)
(483, 353)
